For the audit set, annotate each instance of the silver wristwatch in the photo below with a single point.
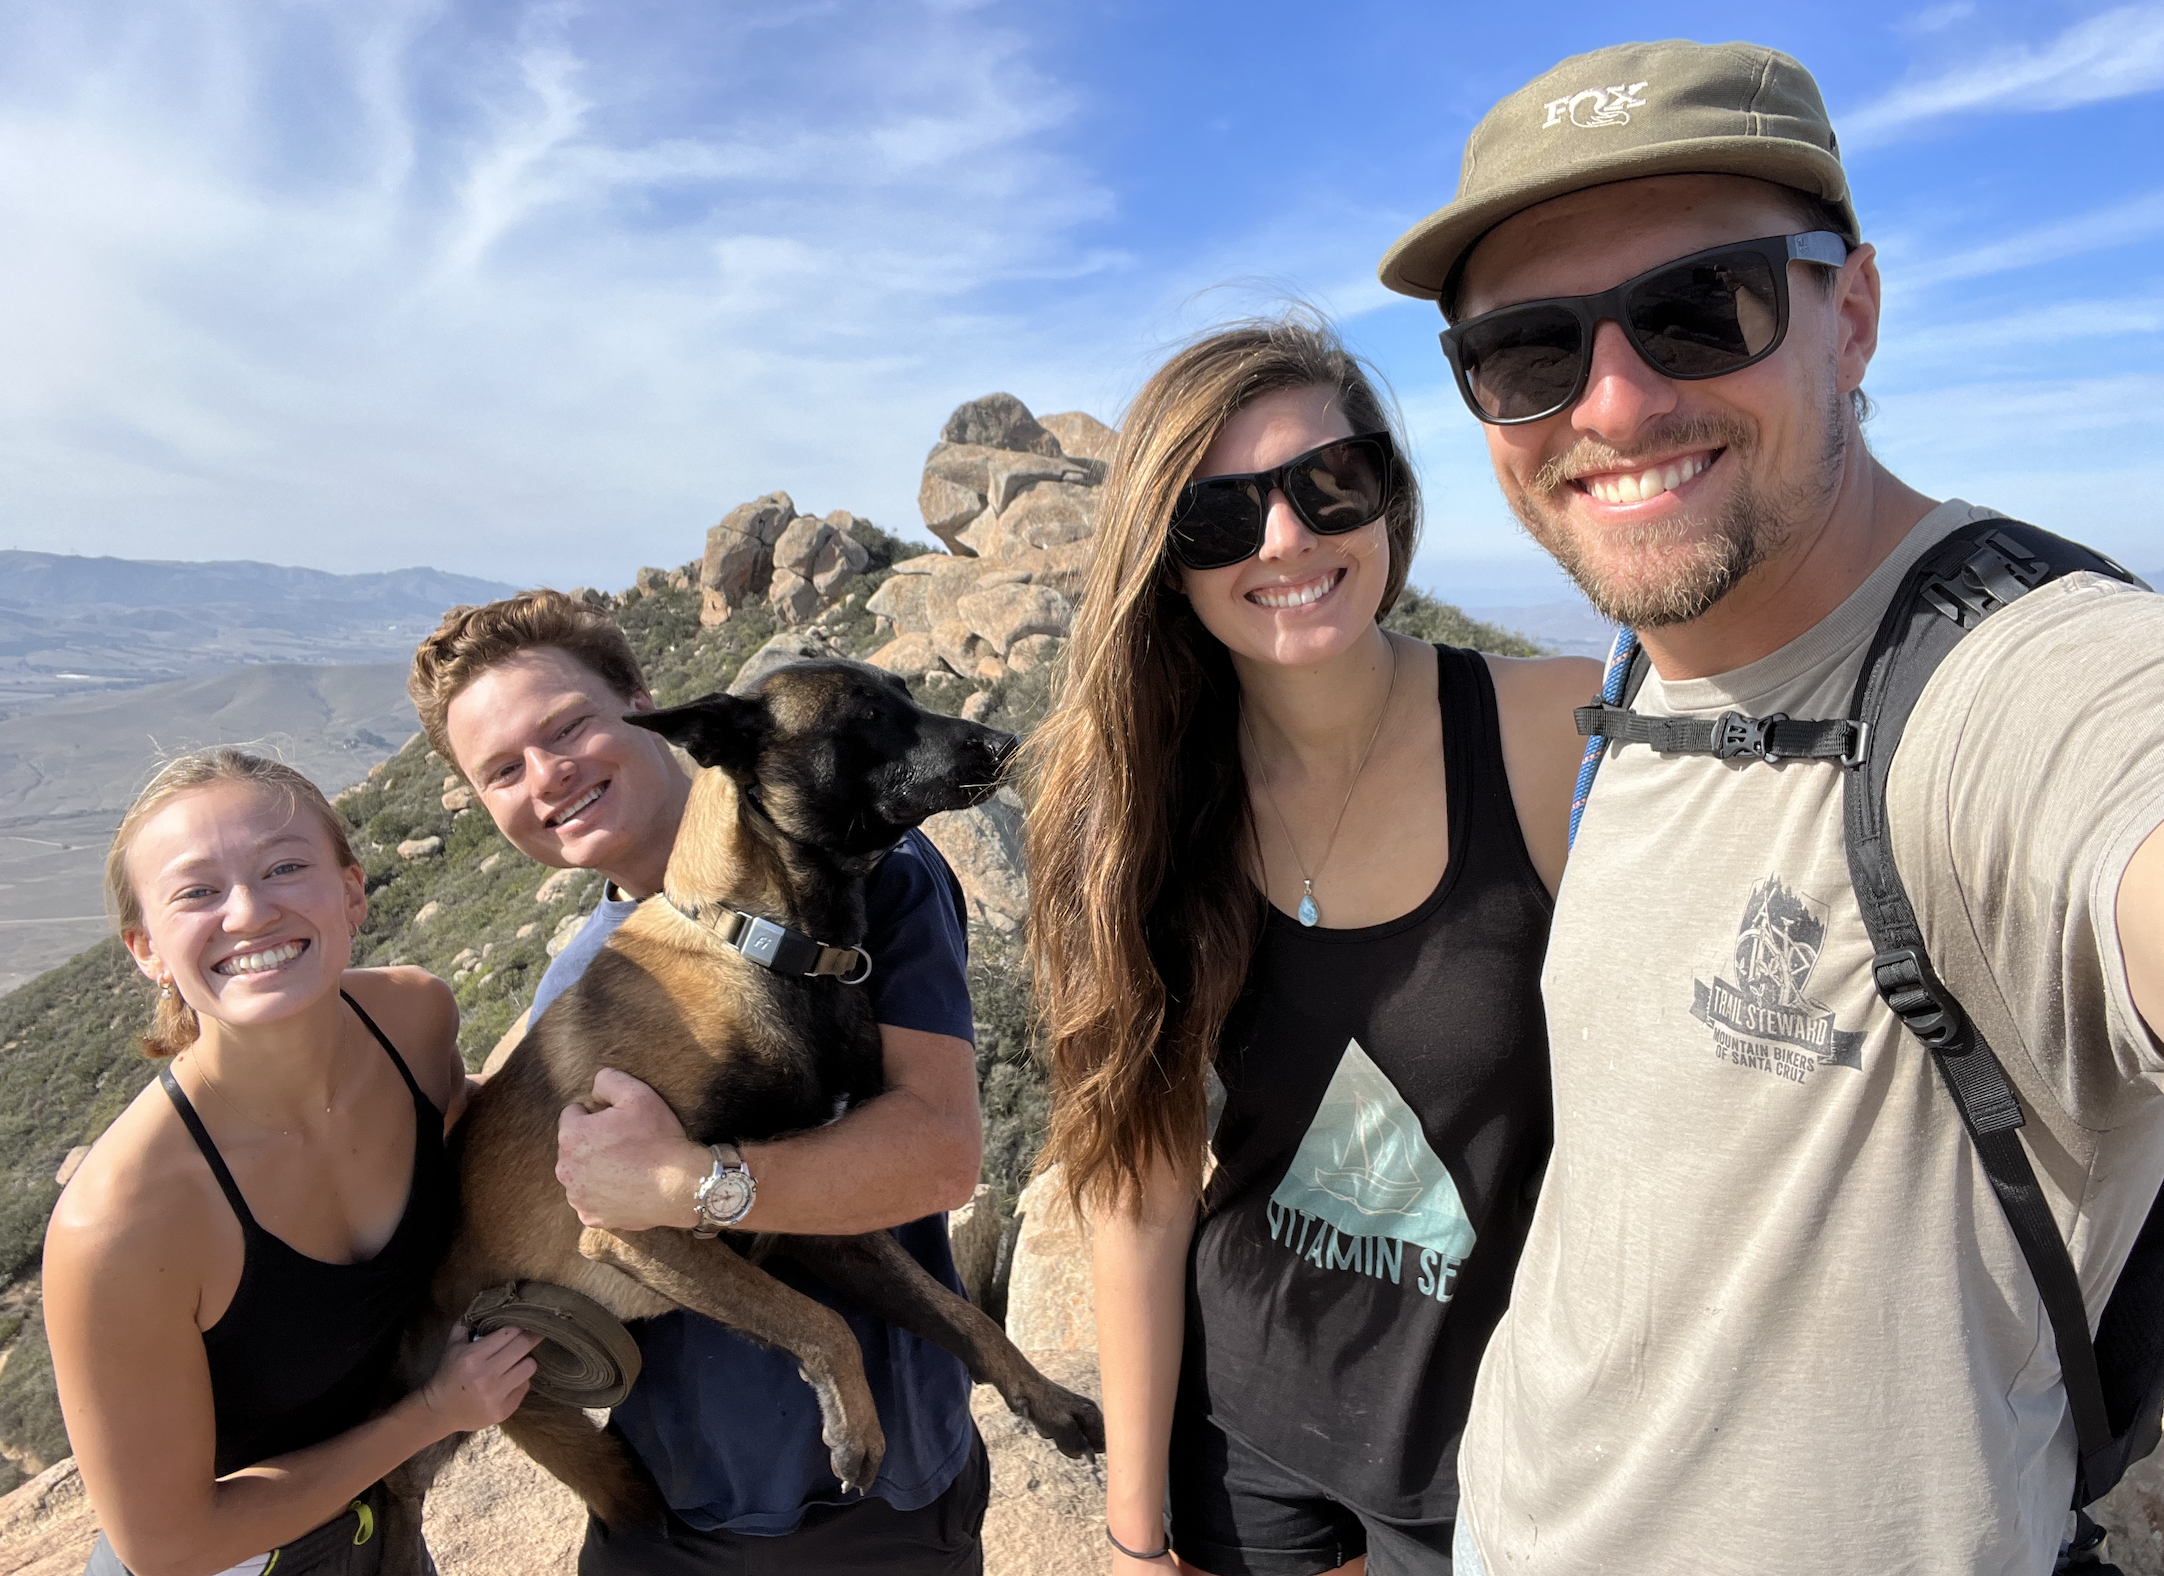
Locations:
(726, 1194)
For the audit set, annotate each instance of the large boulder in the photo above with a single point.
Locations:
(1009, 476)
(1033, 652)
(948, 506)
(1064, 566)
(965, 651)
(998, 421)
(991, 453)
(973, 1233)
(1004, 614)
(1051, 1303)
(901, 601)
(842, 558)
(911, 656)
(779, 652)
(947, 585)
(739, 561)
(984, 845)
(813, 560)
(1049, 514)
(1085, 437)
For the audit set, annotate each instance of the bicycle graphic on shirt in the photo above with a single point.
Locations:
(1778, 946)
(1765, 1019)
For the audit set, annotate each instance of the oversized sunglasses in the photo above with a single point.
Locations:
(1334, 488)
(1702, 316)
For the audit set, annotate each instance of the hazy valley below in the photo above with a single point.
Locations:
(70, 768)
(109, 665)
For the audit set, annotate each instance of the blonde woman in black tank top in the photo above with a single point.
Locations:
(227, 1274)
(1293, 872)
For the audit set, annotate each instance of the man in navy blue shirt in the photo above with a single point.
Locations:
(525, 697)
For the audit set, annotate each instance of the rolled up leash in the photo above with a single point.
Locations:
(586, 1357)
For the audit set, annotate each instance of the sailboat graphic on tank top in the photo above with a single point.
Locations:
(1365, 1186)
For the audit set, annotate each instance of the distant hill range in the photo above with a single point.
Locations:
(70, 625)
(108, 665)
(69, 769)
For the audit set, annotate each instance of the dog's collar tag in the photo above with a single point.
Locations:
(760, 940)
(774, 946)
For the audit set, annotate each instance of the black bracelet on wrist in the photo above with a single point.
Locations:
(1137, 1554)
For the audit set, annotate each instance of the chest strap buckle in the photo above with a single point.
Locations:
(1735, 734)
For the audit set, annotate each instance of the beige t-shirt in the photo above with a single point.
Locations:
(1770, 1318)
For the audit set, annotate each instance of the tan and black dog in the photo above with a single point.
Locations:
(804, 784)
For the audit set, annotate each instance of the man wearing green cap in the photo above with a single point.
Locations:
(1772, 1316)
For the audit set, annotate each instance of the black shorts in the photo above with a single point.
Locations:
(867, 1536)
(1235, 1512)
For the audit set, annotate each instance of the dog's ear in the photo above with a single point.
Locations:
(721, 730)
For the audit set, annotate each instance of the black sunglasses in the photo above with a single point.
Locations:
(1334, 488)
(1701, 316)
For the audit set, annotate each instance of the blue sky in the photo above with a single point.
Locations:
(538, 291)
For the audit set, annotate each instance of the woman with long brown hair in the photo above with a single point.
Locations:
(1278, 852)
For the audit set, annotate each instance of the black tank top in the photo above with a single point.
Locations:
(1385, 1124)
(303, 1351)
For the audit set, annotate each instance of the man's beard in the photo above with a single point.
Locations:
(1684, 567)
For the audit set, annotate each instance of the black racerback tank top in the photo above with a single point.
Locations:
(1385, 1124)
(303, 1351)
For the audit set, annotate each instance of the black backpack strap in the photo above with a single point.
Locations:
(1775, 738)
(1780, 737)
(1957, 585)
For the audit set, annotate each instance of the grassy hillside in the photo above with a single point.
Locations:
(474, 914)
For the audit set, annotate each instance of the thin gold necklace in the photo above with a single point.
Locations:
(202, 1069)
(1310, 914)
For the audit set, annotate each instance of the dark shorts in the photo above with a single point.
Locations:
(346, 1545)
(869, 1536)
(1235, 1512)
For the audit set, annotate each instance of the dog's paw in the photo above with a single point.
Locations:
(1071, 1422)
(856, 1464)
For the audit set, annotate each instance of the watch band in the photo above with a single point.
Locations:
(726, 1194)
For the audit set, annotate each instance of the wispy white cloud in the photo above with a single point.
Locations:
(2071, 454)
(2035, 326)
(1937, 18)
(2115, 54)
(369, 285)
(1946, 260)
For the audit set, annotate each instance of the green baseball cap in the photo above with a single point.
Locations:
(1671, 108)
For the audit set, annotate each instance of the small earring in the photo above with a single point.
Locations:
(165, 990)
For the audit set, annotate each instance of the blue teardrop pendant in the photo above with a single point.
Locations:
(1309, 913)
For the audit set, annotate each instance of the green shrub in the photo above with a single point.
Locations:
(1010, 1078)
(29, 1405)
(69, 1063)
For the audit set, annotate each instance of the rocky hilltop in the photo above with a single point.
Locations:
(977, 627)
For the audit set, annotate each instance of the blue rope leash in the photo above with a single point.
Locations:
(1611, 693)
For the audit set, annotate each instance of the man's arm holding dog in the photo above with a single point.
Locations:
(912, 1151)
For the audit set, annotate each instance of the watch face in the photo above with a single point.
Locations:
(729, 1196)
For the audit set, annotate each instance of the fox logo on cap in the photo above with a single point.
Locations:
(1609, 106)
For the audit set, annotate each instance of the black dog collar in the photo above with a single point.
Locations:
(775, 946)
